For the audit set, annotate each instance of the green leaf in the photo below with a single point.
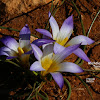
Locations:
(12, 29)
(44, 98)
(83, 30)
(69, 86)
(93, 22)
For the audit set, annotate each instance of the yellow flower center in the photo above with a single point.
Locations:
(62, 42)
(20, 51)
(49, 65)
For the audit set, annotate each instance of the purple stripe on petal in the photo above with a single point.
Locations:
(44, 32)
(40, 42)
(58, 79)
(37, 52)
(67, 27)
(36, 66)
(81, 39)
(29, 52)
(80, 53)
(58, 48)
(10, 42)
(24, 36)
(70, 67)
(10, 57)
(66, 52)
(25, 33)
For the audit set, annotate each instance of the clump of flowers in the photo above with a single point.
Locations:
(51, 60)
(55, 48)
(62, 35)
(48, 62)
(21, 50)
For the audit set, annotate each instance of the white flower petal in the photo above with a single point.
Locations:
(80, 39)
(37, 52)
(48, 50)
(54, 26)
(36, 66)
(69, 67)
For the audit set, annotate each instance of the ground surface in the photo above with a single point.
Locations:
(17, 14)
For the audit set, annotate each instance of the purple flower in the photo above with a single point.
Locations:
(22, 50)
(48, 62)
(63, 34)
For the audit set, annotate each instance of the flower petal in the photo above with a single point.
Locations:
(25, 33)
(70, 67)
(8, 52)
(80, 53)
(54, 26)
(10, 42)
(58, 48)
(58, 78)
(36, 66)
(40, 42)
(29, 52)
(27, 49)
(66, 52)
(37, 52)
(48, 50)
(10, 57)
(44, 32)
(81, 39)
(66, 28)
(24, 36)
(3, 51)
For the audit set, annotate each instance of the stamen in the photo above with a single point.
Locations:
(20, 51)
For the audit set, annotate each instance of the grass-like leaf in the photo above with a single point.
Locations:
(69, 88)
(43, 97)
(93, 22)
(83, 30)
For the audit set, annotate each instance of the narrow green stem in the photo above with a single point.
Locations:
(93, 22)
(45, 94)
(51, 6)
(78, 60)
(12, 29)
(36, 90)
(83, 30)
(44, 98)
(9, 61)
(89, 70)
(69, 86)
(95, 75)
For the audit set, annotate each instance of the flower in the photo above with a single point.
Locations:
(48, 62)
(22, 50)
(63, 34)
